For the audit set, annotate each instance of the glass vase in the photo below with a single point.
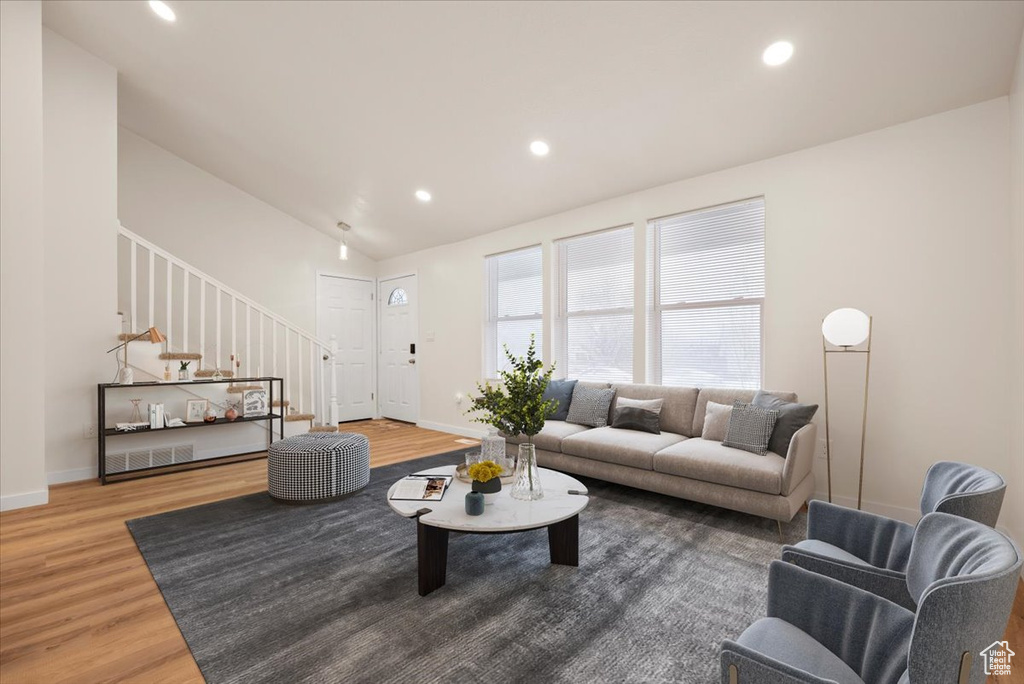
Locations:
(526, 485)
(492, 448)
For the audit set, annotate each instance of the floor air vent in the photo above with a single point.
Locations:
(136, 459)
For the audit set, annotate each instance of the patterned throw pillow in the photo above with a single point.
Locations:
(716, 421)
(792, 417)
(638, 414)
(589, 406)
(750, 428)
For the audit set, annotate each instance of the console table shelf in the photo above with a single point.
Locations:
(103, 432)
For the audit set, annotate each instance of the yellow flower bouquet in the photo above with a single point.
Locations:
(486, 477)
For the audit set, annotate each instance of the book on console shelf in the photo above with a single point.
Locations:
(421, 488)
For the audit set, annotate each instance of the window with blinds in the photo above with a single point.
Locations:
(594, 336)
(515, 305)
(707, 295)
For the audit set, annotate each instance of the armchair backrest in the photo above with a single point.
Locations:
(963, 576)
(962, 489)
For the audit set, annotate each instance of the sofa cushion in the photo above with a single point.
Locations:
(701, 459)
(792, 417)
(726, 396)
(560, 391)
(590, 406)
(716, 421)
(624, 447)
(781, 641)
(676, 412)
(550, 438)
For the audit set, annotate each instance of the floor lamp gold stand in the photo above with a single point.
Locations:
(844, 329)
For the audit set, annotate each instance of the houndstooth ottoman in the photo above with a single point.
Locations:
(318, 466)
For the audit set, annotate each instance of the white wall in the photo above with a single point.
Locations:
(909, 224)
(243, 242)
(22, 358)
(80, 216)
(1016, 522)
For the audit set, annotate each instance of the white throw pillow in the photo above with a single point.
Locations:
(716, 421)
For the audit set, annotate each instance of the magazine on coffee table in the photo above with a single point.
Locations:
(421, 488)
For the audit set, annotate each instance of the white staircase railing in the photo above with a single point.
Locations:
(176, 298)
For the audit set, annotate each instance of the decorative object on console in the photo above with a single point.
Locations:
(518, 407)
(590, 406)
(136, 413)
(232, 412)
(254, 403)
(792, 417)
(195, 410)
(211, 414)
(643, 415)
(126, 376)
(750, 428)
(183, 371)
(217, 375)
(845, 329)
(716, 422)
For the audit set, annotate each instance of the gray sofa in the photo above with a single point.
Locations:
(678, 462)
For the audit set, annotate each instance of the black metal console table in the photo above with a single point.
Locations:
(103, 432)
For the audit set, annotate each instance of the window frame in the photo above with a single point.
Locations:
(492, 354)
(562, 313)
(655, 309)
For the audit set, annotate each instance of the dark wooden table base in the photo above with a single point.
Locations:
(432, 543)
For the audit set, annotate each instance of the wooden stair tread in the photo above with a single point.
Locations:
(281, 402)
(207, 373)
(142, 337)
(324, 428)
(296, 417)
(238, 389)
(181, 356)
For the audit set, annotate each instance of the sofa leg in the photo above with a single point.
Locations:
(781, 538)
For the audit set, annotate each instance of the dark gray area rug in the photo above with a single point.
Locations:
(265, 592)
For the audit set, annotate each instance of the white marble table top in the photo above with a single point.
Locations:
(505, 514)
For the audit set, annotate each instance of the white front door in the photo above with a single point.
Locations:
(399, 387)
(345, 311)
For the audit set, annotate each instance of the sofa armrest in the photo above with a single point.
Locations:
(751, 666)
(877, 540)
(869, 633)
(888, 584)
(800, 458)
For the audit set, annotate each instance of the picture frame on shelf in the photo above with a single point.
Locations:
(254, 403)
(195, 410)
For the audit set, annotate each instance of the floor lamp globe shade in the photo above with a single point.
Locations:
(846, 327)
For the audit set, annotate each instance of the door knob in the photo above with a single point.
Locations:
(412, 361)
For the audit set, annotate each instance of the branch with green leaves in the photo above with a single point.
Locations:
(517, 405)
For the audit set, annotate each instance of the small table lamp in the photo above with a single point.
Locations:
(845, 329)
(126, 376)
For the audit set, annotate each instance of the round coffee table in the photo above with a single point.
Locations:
(558, 511)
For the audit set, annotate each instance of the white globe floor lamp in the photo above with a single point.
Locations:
(845, 329)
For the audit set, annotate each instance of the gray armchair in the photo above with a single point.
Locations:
(870, 551)
(963, 576)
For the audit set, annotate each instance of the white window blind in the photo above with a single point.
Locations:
(515, 305)
(707, 282)
(594, 340)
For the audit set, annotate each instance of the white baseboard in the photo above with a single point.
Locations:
(452, 429)
(73, 475)
(907, 515)
(12, 501)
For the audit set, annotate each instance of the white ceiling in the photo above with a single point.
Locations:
(340, 110)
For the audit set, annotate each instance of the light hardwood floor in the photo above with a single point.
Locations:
(77, 602)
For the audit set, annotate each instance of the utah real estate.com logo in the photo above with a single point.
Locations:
(997, 658)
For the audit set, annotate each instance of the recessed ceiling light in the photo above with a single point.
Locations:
(423, 195)
(540, 148)
(162, 10)
(778, 53)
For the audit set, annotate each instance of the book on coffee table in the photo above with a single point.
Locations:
(421, 488)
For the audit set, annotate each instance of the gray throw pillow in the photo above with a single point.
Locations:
(638, 414)
(750, 428)
(560, 391)
(792, 417)
(589, 406)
